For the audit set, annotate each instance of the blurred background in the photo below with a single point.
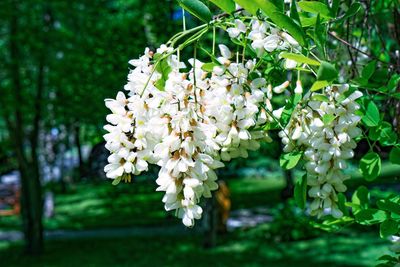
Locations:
(59, 61)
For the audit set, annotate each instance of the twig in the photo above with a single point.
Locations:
(355, 48)
(222, 15)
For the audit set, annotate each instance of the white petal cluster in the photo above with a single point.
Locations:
(233, 104)
(263, 37)
(127, 138)
(187, 128)
(325, 130)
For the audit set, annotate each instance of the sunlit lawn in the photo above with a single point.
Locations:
(237, 249)
(90, 206)
(102, 205)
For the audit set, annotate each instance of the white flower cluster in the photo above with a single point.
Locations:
(186, 128)
(325, 128)
(264, 37)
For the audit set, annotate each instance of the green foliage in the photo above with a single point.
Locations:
(317, 85)
(290, 160)
(370, 166)
(394, 155)
(388, 227)
(370, 216)
(371, 117)
(360, 199)
(315, 7)
(299, 58)
(300, 191)
(226, 5)
(327, 72)
(197, 8)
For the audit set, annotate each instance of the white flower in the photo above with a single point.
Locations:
(239, 28)
(326, 146)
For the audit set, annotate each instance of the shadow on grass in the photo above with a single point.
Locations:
(234, 250)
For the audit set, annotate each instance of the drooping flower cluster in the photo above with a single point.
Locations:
(325, 128)
(190, 122)
(264, 38)
(187, 127)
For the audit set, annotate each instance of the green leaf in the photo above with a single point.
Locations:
(335, 7)
(368, 70)
(388, 205)
(388, 227)
(394, 80)
(327, 72)
(293, 12)
(394, 155)
(117, 180)
(374, 133)
(370, 216)
(197, 9)
(286, 23)
(315, 7)
(387, 137)
(253, 5)
(361, 197)
(319, 85)
(164, 69)
(342, 204)
(290, 160)
(320, 97)
(299, 58)
(371, 117)
(208, 67)
(300, 191)
(320, 35)
(226, 5)
(370, 166)
(353, 9)
(328, 118)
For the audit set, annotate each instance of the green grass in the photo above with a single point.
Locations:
(102, 205)
(235, 249)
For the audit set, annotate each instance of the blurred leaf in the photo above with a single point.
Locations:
(320, 97)
(196, 8)
(394, 155)
(290, 160)
(208, 67)
(388, 227)
(300, 191)
(319, 85)
(117, 180)
(328, 118)
(361, 197)
(327, 72)
(353, 9)
(335, 7)
(370, 216)
(371, 117)
(299, 58)
(387, 136)
(293, 12)
(388, 205)
(227, 6)
(253, 5)
(370, 166)
(315, 7)
(368, 70)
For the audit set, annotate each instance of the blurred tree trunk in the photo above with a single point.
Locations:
(210, 223)
(31, 201)
(288, 191)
